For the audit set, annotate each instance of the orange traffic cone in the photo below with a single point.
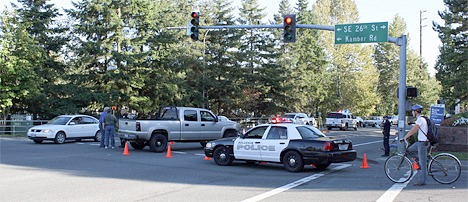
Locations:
(125, 153)
(364, 162)
(207, 158)
(169, 151)
(415, 164)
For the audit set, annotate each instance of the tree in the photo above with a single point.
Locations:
(452, 63)
(351, 69)
(19, 55)
(40, 18)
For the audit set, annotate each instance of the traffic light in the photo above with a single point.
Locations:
(194, 23)
(289, 27)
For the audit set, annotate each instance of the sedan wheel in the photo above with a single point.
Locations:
(60, 138)
(98, 136)
(293, 161)
(222, 157)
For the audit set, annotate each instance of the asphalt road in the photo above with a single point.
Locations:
(81, 171)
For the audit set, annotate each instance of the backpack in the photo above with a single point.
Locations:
(431, 135)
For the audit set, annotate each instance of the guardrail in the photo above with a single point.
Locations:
(18, 127)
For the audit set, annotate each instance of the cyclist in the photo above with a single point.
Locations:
(421, 145)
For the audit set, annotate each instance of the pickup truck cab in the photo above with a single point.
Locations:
(178, 124)
(341, 120)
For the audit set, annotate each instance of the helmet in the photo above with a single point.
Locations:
(416, 107)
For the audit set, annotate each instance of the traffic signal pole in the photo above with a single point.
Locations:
(401, 41)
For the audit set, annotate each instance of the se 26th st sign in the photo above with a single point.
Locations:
(373, 32)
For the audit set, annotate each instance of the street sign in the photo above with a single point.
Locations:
(437, 113)
(373, 32)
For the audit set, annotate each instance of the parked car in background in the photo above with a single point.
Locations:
(65, 127)
(394, 120)
(341, 120)
(295, 118)
(360, 121)
(373, 121)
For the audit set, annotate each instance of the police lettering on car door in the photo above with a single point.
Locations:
(250, 146)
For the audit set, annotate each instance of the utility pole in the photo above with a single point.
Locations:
(420, 37)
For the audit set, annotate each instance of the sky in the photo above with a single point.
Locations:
(369, 11)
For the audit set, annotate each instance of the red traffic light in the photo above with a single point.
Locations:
(288, 20)
(194, 14)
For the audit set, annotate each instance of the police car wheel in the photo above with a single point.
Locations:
(293, 162)
(221, 156)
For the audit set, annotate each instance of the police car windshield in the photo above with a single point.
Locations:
(309, 132)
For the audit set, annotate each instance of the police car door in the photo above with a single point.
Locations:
(273, 143)
(247, 146)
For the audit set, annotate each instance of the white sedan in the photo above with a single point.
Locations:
(61, 128)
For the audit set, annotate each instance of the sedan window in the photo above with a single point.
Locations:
(309, 132)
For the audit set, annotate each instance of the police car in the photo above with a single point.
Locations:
(292, 145)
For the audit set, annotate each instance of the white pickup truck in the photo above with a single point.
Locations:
(178, 124)
(340, 120)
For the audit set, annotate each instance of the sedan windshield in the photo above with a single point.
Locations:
(60, 120)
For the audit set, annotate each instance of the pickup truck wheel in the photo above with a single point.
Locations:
(222, 157)
(158, 143)
(138, 145)
(293, 161)
(322, 166)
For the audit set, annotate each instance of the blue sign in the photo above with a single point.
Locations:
(437, 114)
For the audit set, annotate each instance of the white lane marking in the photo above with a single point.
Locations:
(357, 145)
(296, 183)
(393, 191)
(178, 152)
(199, 154)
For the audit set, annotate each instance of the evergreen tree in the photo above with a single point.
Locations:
(41, 20)
(452, 63)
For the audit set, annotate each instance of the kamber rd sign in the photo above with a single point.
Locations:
(373, 32)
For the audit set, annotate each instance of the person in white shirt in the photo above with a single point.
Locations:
(421, 145)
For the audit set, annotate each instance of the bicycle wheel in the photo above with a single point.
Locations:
(398, 168)
(445, 168)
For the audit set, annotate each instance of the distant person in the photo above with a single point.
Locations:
(101, 128)
(109, 125)
(386, 135)
(421, 145)
(123, 115)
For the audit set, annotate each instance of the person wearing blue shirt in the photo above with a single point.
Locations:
(101, 120)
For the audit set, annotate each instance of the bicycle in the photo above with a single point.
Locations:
(444, 168)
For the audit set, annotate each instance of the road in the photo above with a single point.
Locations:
(81, 171)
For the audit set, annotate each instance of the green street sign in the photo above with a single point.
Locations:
(373, 32)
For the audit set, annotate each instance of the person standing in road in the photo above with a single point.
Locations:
(101, 128)
(421, 145)
(386, 135)
(110, 122)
